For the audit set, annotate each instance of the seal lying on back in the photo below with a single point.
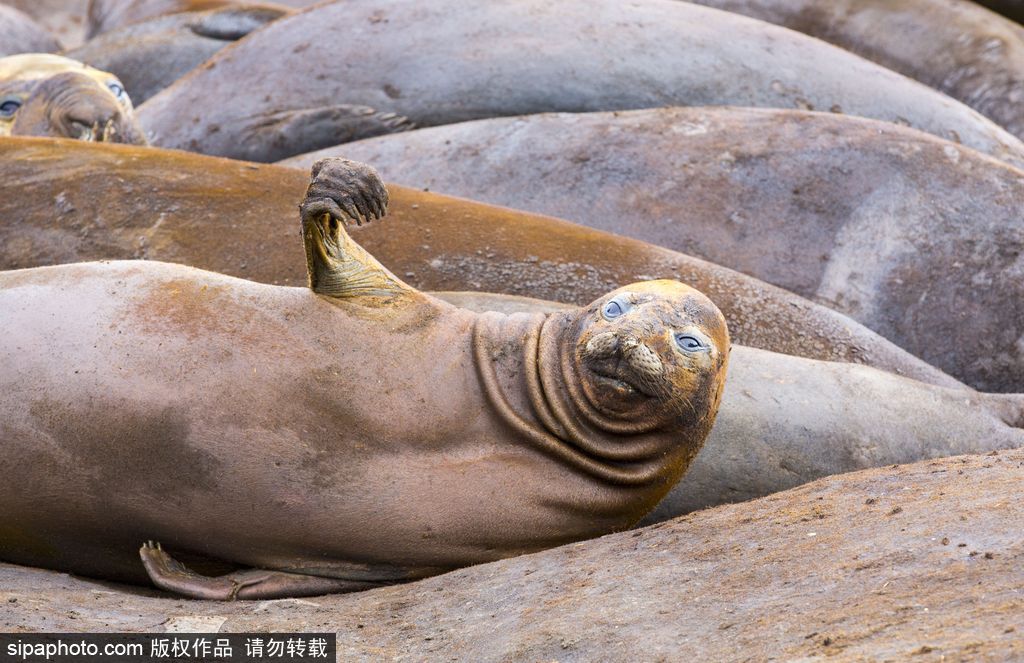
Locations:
(354, 434)
(236, 218)
(50, 95)
(151, 55)
(450, 61)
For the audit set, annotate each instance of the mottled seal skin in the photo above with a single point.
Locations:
(448, 61)
(914, 237)
(234, 217)
(788, 420)
(20, 34)
(151, 55)
(954, 46)
(339, 437)
(107, 15)
(50, 95)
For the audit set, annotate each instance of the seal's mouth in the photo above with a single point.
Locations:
(615, 373)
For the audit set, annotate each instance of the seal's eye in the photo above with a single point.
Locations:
(9, 107)
(614, 308)
(690, 343)
(117, 89)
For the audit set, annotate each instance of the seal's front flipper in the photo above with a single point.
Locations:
(233, 23)
(336, 265)
(169, 574)
(283, 134)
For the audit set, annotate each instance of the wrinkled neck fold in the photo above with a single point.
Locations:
(529, 373)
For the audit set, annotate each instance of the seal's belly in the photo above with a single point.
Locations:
(245, 423)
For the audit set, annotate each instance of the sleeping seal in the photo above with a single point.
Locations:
(50, 95)
(450, 61)
(338, 437)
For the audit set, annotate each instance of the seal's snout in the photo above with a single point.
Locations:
(642, 360)
(626, 363)
(602, 346)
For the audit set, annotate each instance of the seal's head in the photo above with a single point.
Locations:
(650, 355)
(50, 95)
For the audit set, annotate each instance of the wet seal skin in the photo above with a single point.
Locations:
(150, 55)
(384, 434)
(448, 61)
(236, 218)
(50, 95)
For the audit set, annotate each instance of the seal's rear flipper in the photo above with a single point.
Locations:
(169, 574)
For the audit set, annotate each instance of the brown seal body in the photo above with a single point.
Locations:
(953, 46)
(915, 237)
(20, 34)
(787, 420)
(107, 15)
(150, 55)
(234, 217)
(50, 95)
(354, 434)
(449, 61)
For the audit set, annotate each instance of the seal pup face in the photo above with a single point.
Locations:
(50, 95)
(652, 353)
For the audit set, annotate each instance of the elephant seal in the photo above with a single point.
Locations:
(914, 237)
(50, 95)
(397, 436)
(447, 62)
(20, 34)
(65, 19)
(232, 217)
(786, 420)
(107, 15)
(955, 46)
(151, 55)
